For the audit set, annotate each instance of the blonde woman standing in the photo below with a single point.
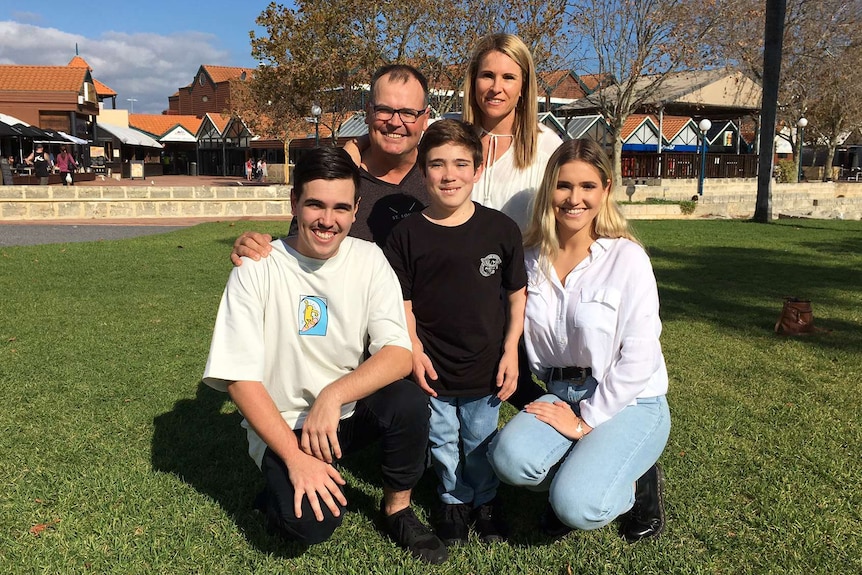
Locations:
(501, 100)
(592, 335)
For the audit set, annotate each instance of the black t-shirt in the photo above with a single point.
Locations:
(382, 205)
(40, 165)
(458, 279)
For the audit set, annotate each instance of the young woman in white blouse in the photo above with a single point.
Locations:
(592, 335)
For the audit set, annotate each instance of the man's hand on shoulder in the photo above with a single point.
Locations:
(251, 244)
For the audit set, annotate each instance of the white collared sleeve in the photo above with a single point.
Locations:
(635, 366)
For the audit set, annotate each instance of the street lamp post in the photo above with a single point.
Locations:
(704, 126)
(801, 123)
(131, 102)
(315, 113)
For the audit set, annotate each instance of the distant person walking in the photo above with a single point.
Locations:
(41, 164)
(66, 164)
(248, 167)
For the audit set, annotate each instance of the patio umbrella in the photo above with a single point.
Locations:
(6, 130)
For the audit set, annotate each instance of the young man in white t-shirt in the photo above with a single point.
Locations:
(289, 347)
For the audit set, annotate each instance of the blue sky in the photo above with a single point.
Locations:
(143, 50)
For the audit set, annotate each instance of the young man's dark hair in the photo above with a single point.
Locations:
(324, 164)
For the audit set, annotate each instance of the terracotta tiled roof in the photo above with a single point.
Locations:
(671, 125)
(632, 123)
(219, 121)
(103, 90)
(41, 78)
(78, 62)
(158, 124)
(220, 74)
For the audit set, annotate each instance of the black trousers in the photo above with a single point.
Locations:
(397, 416)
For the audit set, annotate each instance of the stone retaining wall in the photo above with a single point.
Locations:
(736, 198)
(110, 202)
(721, 198)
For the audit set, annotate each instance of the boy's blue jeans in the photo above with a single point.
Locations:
(461, 429)
(591, 481)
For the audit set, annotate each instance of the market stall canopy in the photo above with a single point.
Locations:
(130, 136)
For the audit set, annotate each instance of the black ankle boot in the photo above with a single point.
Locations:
(646, 518)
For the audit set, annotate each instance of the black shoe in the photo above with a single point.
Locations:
(410, 533)
(646, 518)
(488, 522)
(453, 523)
(551, 524)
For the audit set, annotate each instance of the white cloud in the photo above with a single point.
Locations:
(147, 67)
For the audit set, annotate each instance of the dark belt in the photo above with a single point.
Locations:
(569, 373)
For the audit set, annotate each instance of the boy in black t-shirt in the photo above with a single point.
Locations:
(461, 267)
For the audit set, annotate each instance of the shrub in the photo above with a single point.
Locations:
(687, 207)
(786, 172)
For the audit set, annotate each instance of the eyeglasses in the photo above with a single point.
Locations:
(407, 115)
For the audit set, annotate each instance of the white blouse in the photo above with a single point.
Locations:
(606, 317)
(504, 187)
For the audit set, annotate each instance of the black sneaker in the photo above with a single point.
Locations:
(551, 524)
(453, 524)
(407, 531)
(488, 522)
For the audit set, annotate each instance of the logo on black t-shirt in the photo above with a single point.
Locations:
(489, 265)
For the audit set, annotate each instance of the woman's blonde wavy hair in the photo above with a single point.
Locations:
(542, 229)
(526, 132)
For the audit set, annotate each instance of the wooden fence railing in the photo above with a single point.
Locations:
(677, 165)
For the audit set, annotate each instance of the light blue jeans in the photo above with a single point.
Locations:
(591, 481)
(461, 429)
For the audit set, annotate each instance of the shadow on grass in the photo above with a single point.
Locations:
(207, 449)
(742, 289)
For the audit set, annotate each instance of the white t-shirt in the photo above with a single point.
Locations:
(605, 317)
(504, 187)
(297, 324)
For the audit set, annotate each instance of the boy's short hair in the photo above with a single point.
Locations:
(324, 164)
(453, 132)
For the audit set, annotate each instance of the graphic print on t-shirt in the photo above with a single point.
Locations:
(489, 264)
(313, 315)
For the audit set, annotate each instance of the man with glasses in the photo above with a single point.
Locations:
(391, 186)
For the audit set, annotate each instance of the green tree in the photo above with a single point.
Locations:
(821, 39)
(639, 44)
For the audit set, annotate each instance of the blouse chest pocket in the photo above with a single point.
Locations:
(598, 308)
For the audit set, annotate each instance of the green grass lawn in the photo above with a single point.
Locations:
(119, 461)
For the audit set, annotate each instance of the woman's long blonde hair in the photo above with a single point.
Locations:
(526, 131)
(542, 229)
